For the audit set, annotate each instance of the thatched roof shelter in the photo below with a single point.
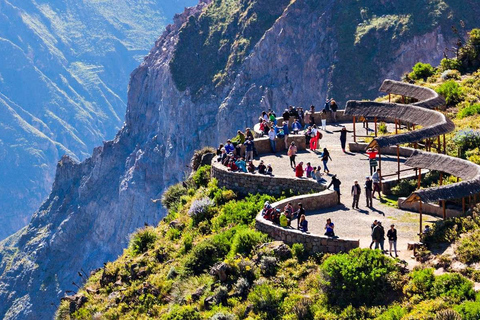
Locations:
(433, 124)
(466, 170)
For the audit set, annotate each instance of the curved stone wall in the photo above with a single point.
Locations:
(245, 183)
(313, 243)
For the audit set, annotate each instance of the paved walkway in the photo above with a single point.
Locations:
(348, 166)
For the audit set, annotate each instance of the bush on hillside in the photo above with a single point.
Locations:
(245, 241)
(201, 177)
(467, 139)
(266, 299)
(298, 251)
(404, 188)
(469, 110)
(451, 91)
(171, 197)
(393, 313)
(468, 250)
(421, 71)
(469, 310)
(420, 283)
(200, 210)
(450, 64)
(453, 287)
(360, 277)
(182, 313)
(143, 240)
(206, 254)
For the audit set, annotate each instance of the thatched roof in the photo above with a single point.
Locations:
(427, 98)
(466, 170)
(433, 123)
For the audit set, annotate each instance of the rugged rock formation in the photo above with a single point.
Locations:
(64, 68)
(299, 52)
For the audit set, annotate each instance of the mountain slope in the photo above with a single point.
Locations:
(96, 204)
(64, 68)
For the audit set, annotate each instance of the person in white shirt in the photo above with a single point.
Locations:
(272, 136)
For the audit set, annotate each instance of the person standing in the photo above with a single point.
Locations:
(372, 159)
(272, 136)
(303, 224)
(336, 186)
(285, 132)
(379, 236)
(372, 227)
(249, 145)
(376, 184)
(343, 137)
(313, 138)
(368, 191)
(238, 141)
(286, 116)
(325, 156)
(292, 153)
(392, 239)
(356, 190)
(334, 107)
(299, 213)
(329, 228)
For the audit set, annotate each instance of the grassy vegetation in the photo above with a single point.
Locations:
(169, 272)
(212, 46)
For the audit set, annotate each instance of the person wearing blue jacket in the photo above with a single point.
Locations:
(229, 147)
(296, 126)
(242, 165)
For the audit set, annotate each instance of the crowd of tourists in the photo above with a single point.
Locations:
(297, 121)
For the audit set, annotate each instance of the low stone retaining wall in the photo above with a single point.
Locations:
(245, 183)
(429, 208)
(341, 117)
(313, 243)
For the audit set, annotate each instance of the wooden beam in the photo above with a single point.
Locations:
(389, 98)
(441, 178)
(419, 182)
(439, 147)
(375, 120)
(354, 131)
(398, 162)
(444, 210)
(396, 126)
(463, 205)
(380, 166)
(421, 216)
(444, 145)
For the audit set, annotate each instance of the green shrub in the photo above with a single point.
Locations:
(203, 256)
(171, 197)
(296, 306)
(469, 110)
(454, 287)
(467, 139)
(451, 91)
(266, 299)
(268, 266)
(468, 251)
(182, 313)
(187, 242)
(173, 234)
(245, 241)
(382, 128)
(450, 64)
(222, 196)
(393, 313)
(421, 71)
(469, 310)
(298, 251)
(359, 277)
(143, 240)
(404, 188)
(223, 316)
(201, 177)
(200, 210)
(473, 155)
(241, 212)
(448, 314)
(420, 283)
(451, 74)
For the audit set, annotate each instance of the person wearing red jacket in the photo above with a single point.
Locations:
(299, 170)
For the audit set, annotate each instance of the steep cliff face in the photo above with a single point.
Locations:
(298, 57)
(64, 68)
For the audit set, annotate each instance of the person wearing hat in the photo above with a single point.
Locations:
(368, 191)
(379, 235)
(356, 190)
(392, 239)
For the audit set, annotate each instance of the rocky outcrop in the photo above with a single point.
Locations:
(96, 204)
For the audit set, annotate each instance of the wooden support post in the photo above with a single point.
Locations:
(421, 216)
(463, 205)
(444, 145)
(354, 131)
(403, 99)
(441, 178)
(398, 162)
(380, 167)
(389, 98)
(396, 126)
(439, 147)
(375, 120)
(419, 182)
(444, 210)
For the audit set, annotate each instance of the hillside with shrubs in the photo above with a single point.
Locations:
(205, 260)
